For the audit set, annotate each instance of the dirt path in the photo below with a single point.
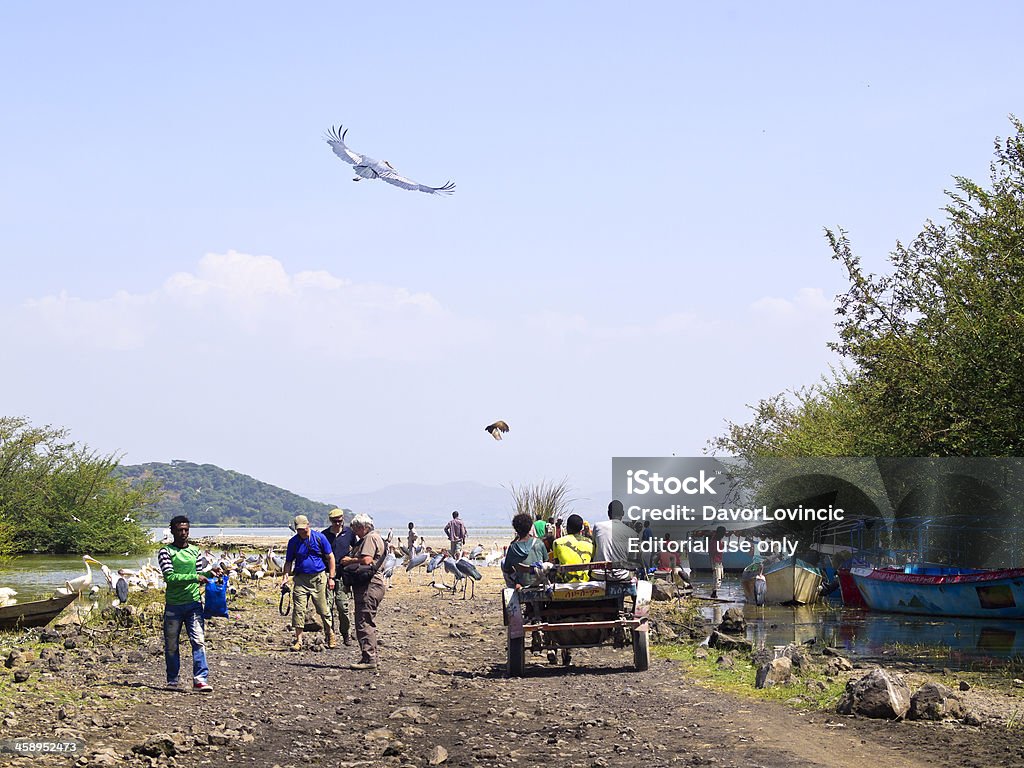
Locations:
(442, 684)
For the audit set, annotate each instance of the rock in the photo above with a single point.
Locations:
(70, 643)
(964, 685)
(934, 701)
(700, 653)
(437, 755)
(158, 745)
(727, 643)
(14, 658)
(733, 622)
(22, 675)
(394, 749)
(837, 664)
(828, 651)
(219, 738)
(49, 635)
(775, 672)
(136, 657)
(665, 632)
(409, 712)
(379, 734)
(104, 757)
(1017, 682)
(971, 718)
(661, 591)
(879, 693)
(815, 686)
(726, 662)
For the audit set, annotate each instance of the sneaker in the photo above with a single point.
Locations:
(296, 646)
(202, 686)
(363, 665)
(714, 593)
(332, 640)
(346, 639)
(173, 685)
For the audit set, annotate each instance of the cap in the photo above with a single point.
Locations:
(301, 521)
(336, 514)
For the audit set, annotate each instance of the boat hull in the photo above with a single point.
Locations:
(38, 613)
(984, 594)
(852, 598)
(788, 581)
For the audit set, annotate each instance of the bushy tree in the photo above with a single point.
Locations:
(935, 348)
(60, 497)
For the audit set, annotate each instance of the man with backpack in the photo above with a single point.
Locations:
(311, 558)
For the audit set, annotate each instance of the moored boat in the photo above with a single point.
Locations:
(37, 613)
(787, 581)
(943, 590)
(852, 598)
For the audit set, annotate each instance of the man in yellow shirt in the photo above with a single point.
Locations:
(573, 549)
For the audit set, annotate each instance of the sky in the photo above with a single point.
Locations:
(634, 252)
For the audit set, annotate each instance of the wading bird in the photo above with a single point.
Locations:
(368, 168)
(496, 429)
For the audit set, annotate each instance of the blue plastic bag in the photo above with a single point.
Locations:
(216, 605)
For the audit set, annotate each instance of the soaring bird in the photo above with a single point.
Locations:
(496, 429)
(368, 168)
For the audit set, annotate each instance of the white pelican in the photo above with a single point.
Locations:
(6, 593)
(81, 582)
(368, 168)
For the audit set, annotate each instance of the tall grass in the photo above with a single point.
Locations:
(547, 500)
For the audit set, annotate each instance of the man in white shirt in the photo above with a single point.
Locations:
(611, 542)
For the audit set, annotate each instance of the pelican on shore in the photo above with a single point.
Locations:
(81, 582)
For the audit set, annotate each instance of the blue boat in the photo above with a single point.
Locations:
(938, 590)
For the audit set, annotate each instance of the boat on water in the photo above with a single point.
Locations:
(37, 613)
(937, 590)
(852, 598)
(734, 558)
(788, 581)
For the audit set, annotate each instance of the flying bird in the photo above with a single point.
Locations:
(496, 429)
(368, 168)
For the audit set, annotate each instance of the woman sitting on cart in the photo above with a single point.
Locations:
(526, 548)
(573, 549)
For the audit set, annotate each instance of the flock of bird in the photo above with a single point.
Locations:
(255, 566)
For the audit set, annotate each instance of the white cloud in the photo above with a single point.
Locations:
(809, 303)
(236, 300)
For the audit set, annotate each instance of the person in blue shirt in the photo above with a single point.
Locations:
(342, 538)
(311, 558)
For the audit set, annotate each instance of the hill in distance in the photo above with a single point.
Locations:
(209, 495)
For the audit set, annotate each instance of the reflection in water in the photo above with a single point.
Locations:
(864, 634)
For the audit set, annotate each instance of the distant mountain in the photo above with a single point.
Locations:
(209, 495)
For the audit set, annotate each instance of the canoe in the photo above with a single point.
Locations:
(34, 614)
(943, 591)
(788, 581)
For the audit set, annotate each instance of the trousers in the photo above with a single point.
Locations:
(190, 616)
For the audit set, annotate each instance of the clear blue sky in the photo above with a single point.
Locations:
(633, 252)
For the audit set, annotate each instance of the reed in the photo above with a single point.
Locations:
(547, 500)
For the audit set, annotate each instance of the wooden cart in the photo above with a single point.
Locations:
(559, 617)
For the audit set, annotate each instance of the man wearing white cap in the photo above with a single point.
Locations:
(312, 559)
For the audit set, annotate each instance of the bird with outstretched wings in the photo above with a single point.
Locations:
(368, 168)
(496, 429)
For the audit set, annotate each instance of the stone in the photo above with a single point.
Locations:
(660, 591)
(49, 635)
(22, 675)
(964, 685)
(837, 664)
(70, 643)
(934, 701)
(776, 672)
(726, 662)
(733, 622)
(158, 745)
(437, 755)
(136, 657)
(14, 658)
(700, 653)
(727, 643)
(815, 686)
(879, 694)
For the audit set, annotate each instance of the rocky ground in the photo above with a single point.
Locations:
(440, 697)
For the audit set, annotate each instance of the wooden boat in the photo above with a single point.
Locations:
(34, 614)
(731, 560)
(943, 591)
(788, 581)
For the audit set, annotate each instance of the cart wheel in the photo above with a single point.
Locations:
(566, 657)
(641, 656)
(516, 657)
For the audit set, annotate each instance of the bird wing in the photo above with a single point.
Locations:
(388, 174)
(336, 138)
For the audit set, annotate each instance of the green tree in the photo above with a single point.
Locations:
(935, 348)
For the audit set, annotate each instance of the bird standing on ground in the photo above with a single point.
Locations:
(368, 168)
(497, 429)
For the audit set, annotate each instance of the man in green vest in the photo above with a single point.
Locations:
(179, 564)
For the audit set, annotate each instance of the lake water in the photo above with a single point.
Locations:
(872, 636)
